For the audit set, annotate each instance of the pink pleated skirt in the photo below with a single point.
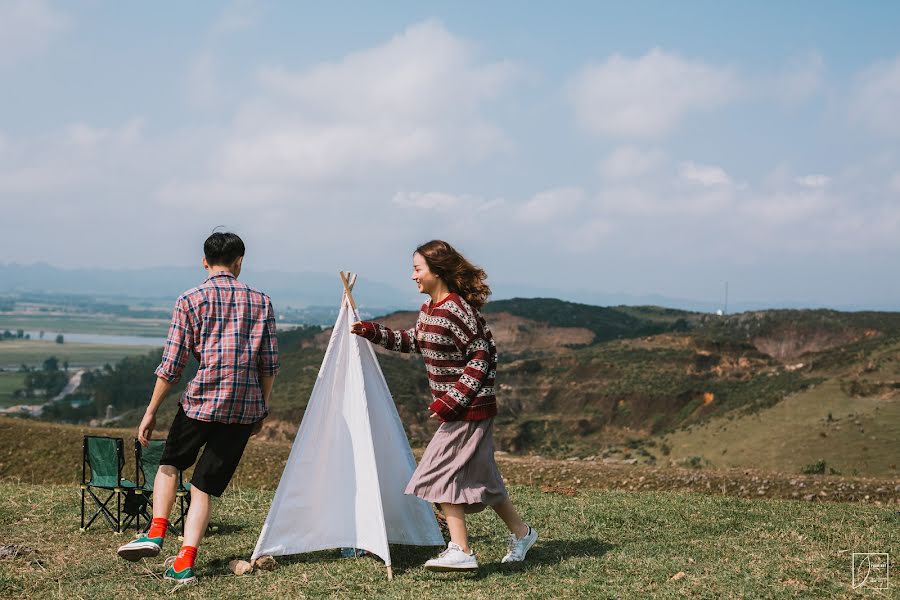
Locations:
(458, 467)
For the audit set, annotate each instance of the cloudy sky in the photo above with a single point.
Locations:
(640, 148)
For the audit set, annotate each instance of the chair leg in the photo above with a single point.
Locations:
(182, 516)
(82, 509)
(101, 510)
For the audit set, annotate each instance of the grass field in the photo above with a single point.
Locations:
(83, 323)
(862, 437)
(594, 545)
(851, 421)
(9, 383)
(13, 353)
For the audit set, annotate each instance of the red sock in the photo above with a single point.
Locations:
(185, 558)
(158, 527)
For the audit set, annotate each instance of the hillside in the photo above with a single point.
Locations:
(636, 383)
(50, 453)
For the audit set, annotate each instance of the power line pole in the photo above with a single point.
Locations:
(725, 310)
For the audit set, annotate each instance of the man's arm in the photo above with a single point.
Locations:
(148, 423)
(266, 383)
(179, 343)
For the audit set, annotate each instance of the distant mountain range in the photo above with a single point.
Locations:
(164, 284)
(307, 289)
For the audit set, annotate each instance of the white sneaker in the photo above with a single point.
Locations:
(518, 548)
(452, 559)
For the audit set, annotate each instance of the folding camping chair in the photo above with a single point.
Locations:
(147, 464)
(105, 458)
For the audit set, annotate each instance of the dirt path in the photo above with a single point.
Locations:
(74, 382)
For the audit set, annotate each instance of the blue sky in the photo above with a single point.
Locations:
(640, 148)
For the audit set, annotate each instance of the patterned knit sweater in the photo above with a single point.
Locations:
(460, 356)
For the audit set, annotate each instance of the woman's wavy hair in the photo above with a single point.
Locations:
(461, 276)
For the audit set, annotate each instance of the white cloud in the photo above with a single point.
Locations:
(26, 27)
(423, 73)
(894, 184)
(647, 96)
(799, 80)
(785, 207)
(427, 200)
(202, 82)
(657, 198)
(813, 181)
(629, 161)
(82, 134)
(237, 16)
(551, 205)
(876, 97)
(706, 175)
(413, 101)
(585, 237)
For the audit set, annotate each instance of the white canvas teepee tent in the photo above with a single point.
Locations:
(343, 482)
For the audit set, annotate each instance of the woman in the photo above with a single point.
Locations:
(457, 469)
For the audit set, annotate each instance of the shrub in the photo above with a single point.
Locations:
(816, 468)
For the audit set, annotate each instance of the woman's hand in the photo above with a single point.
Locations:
(434, 416)
(357, 328)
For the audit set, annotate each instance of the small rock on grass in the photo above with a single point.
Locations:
(266, 563)
(240, 567)
(678, 575)
(14, 550)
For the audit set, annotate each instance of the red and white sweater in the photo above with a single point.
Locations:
(460, 356)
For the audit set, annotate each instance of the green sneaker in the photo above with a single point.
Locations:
(179, 578)
(141, 547)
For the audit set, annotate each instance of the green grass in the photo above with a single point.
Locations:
(607, 323)
(862, 438)
(595, 545)
(13, 353)
(9, 383)
(84, 323)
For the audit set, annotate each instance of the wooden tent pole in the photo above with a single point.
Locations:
(390, 571)
(349, 280)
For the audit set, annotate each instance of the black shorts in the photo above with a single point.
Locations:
(225, 443)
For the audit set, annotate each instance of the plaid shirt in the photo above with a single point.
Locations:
(230, 329)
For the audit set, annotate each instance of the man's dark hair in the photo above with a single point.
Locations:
(223, 248)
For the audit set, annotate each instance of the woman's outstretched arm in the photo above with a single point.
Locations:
(403, 340)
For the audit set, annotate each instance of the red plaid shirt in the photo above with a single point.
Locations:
(230, 329)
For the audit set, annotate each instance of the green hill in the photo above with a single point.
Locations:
(607, 323)
(649, 373)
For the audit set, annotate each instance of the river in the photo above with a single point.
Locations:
(97, 338)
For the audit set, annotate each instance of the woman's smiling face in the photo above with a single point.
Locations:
(425, 280)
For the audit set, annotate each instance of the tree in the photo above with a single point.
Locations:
(20, 333)
(66, 365)
(51, 364)
(60, 339)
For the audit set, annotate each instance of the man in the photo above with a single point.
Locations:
(230, 329)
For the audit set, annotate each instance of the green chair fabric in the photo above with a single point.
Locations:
(103, 459)
(147, 460)
(147, 464)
